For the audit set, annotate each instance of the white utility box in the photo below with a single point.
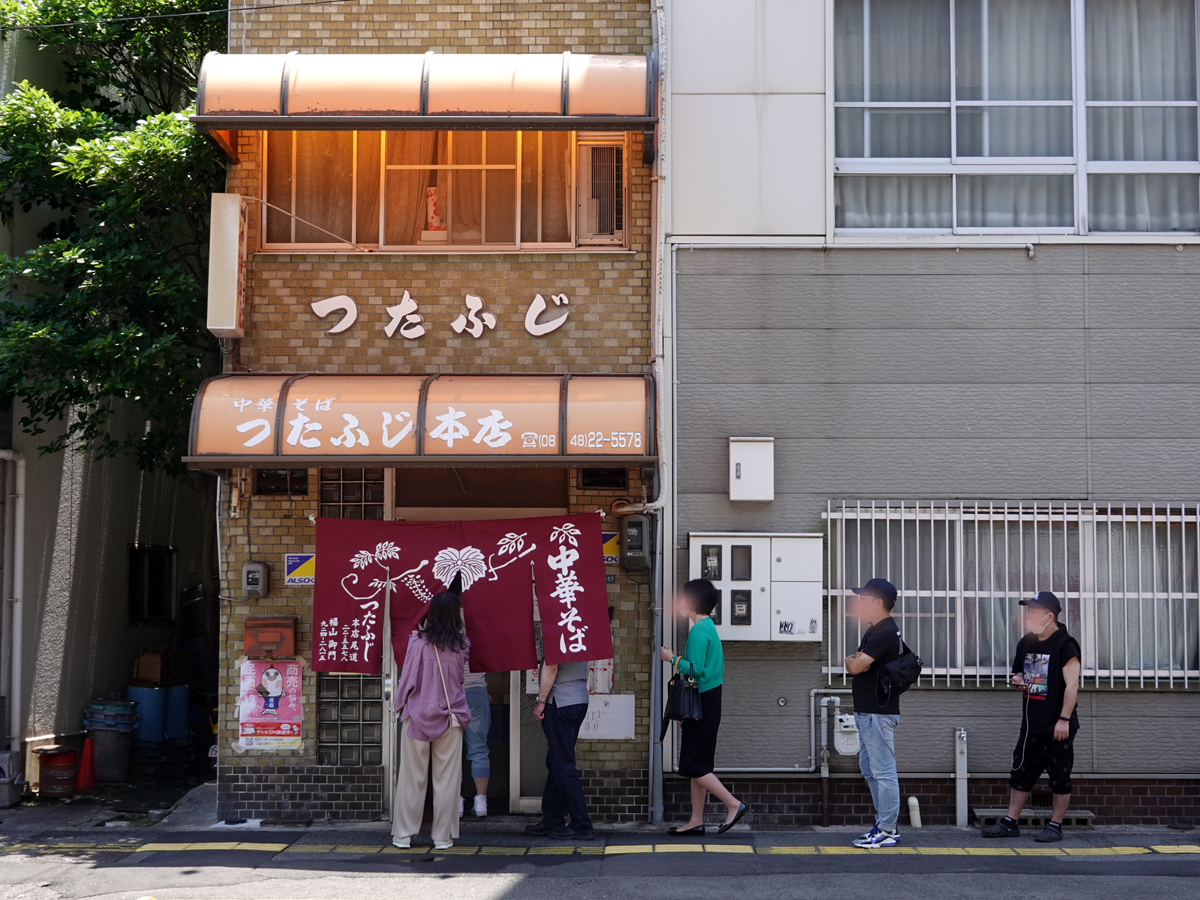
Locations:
(770, 585)
(751, 468)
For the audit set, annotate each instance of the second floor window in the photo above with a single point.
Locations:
(975, 116)
(494, 190)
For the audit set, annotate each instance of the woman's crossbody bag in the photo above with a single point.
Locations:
(454, 723)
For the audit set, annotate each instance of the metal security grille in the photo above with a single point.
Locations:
(605, 213)
(350, 720)
(1126, 574)
(352, 493)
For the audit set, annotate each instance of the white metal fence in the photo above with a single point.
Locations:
(1125, 573)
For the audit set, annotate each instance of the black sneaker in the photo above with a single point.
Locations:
(1048, 835)
(567, 833)
(541, 829)
(1002, 829)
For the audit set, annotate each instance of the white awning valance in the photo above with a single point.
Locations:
(540, 91)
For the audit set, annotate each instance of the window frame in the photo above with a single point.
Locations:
(1083, 607)
(575, 243)
(582, 236)
(1078, 165)
(143, 554)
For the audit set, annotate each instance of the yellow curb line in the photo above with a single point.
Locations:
(678, 848)
(989, 851)
(620, 849)
(309, 848)
(728, 848)
(357, 848)
(1038, 851)
(551, 851)
(1105, 851)
(942, 851)
(155, 848)
(792, 850)
(590, 851)
(504, 851)
(1176, 848)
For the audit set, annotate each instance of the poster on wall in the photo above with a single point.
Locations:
(269, 704)
(497, 562)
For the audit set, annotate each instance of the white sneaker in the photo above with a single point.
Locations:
(443, 845)
(402, 843)
(460, 807)
(480, 806)
(878, 838)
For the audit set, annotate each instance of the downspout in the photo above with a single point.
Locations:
(10, 481)
(16, 540)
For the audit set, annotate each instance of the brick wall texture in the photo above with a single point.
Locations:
(796, 802)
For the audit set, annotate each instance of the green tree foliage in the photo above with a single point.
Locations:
(110, 307)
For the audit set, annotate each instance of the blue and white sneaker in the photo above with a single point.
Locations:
(877, 837)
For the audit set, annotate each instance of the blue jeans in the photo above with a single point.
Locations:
(476, 732)
(877, 761)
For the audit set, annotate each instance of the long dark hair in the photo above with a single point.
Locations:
(442, 625)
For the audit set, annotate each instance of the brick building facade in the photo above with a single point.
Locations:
(608, 331)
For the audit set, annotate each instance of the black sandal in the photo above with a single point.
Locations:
(676, 831)
(742, 810)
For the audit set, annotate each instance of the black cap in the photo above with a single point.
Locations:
(881, 588)
(1044, 600)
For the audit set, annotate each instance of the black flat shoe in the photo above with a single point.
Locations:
(685, 832)
(742, 810)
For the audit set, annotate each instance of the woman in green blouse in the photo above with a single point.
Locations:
(704, 660)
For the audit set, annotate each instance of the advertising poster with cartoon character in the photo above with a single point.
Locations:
(497, 563)
(269, 704)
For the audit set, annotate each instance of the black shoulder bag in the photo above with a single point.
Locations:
(897, 676)
(683, 702)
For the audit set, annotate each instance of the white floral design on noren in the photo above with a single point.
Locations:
(565, 532)
(363, 630)
(512, 544)
(467, 563)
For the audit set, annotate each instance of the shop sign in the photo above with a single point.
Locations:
(475, 320)
(269, 705)
(498, 564)
(299, 569)
(380, 416)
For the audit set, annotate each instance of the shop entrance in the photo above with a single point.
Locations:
(516, 746)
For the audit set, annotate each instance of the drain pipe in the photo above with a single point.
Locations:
(837, 703)
(15, 539)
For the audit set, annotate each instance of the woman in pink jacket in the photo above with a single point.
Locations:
(433, 711)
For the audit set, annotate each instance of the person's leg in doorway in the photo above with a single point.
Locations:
(476, 736)
(562, 726)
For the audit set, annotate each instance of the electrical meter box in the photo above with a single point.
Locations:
(256, 578)
(770, 585)
(635, 543)
(751, 468)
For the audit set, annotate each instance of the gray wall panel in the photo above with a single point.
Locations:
(1014, 467)
(934, 375)
(882, 301)
(915, 411)
(867, 356)
(1065, 259)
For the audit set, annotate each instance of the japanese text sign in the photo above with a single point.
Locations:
(497, 562)
(382, 417)
(269, 704)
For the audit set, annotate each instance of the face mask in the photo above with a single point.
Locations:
(1037, 629)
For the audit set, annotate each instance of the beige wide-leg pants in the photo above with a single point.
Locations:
(411, 782)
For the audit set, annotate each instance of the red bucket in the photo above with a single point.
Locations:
(57, 765)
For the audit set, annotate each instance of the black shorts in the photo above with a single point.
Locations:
(1038, 753)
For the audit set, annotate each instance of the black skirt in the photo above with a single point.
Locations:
(698, 743)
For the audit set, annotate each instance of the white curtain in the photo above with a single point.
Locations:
(1142, 51)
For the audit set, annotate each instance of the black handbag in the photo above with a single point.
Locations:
(683, 702)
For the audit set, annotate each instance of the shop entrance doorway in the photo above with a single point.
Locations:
(517, 748)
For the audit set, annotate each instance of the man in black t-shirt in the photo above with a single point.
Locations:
(876, 711)
(1046, 669)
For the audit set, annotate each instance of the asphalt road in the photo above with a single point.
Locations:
(266, 865)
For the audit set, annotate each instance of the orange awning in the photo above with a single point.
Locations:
(299, 420)
(425, 91)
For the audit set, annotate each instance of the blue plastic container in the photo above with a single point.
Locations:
(178, 698)
(152, 712)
